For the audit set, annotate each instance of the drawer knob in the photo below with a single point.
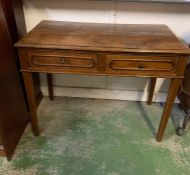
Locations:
(141, 66)
(62, 60)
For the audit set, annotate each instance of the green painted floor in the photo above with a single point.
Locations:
(100, 137)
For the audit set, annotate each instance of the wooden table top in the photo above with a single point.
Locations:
(104, 37)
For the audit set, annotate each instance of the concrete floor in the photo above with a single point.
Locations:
(100, 137)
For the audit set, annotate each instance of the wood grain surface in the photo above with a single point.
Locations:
(104, 37)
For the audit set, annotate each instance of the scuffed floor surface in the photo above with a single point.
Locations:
(99, 137)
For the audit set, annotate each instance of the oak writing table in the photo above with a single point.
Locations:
(103, 49)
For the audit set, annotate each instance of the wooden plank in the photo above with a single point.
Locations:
(104, 37)
(13, 113)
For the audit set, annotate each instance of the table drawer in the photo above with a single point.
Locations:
(145, 64)
(63, 61)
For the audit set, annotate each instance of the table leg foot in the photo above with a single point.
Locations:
(50, 86)
(30, 91)
(151, 91)
(173, 89)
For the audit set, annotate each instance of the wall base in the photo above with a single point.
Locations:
(105, 94)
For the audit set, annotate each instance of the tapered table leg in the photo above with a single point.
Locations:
(50, 86)
(151, 91)
(30, 91)
(173, 89)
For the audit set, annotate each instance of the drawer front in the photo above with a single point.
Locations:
(142, 64)
(63, 61)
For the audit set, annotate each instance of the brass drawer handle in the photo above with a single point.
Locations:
(62, 61)
(141, 66)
